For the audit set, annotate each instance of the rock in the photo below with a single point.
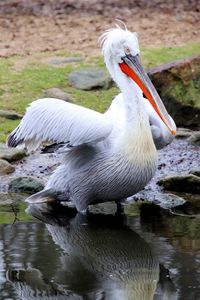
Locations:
(11, 154)
(183, 133)
(195, 172)
(178, 84)
(5, 201)
(11, 198)
(132, 207)
(59, 61)
(106, 208)
(169, 201)
(89, 79)
(10, 115)
(27, 185)
(6, 167)
(164, 200)
(194, 139)
(181, 183)
(57, 93)
(187, 209)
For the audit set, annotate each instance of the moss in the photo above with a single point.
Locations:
(133, 208)
(7, 215)
(189, 226)
(186, 95)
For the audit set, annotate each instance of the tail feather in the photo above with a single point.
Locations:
(13, 139)
(45, 196)
(16, 139)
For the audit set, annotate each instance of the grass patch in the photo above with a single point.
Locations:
(7, 215)
(24, 79)
(6, 126)
(155, 56)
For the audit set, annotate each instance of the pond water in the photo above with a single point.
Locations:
(150, 255)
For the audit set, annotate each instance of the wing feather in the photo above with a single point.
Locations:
(58, 121)
(161, 135)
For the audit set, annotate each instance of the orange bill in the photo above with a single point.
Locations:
(132, 67)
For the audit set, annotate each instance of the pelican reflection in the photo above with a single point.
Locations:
(101, 258)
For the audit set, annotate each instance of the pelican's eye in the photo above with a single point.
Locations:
(127, 50)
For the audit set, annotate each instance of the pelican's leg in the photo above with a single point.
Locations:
(120, 208)
(81, 199)
(81, 205)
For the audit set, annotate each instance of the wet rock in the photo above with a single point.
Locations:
(57, 93)
(6, 167)
(132, 207)
(11, 198)
(168, 201)
(178, 84)
(195, 172)
(28, 276)
(183, 133)
(59, 61)
(193, 199)
(10, 115)
(164, 200)
(187, 209)
(27, 185)
(5, 201)
(106, 208)
(181, 183)
(89, 79)
(11, 154)
(194, 139)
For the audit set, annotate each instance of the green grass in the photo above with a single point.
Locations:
(24, 79)
(155, 56)
(7, 215)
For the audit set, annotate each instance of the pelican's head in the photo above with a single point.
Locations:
(117, 43)
(121, 54)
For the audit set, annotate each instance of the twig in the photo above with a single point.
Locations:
(15, 214)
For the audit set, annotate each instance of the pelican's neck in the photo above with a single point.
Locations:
(136, 114)
(133, 102)
(136, 140)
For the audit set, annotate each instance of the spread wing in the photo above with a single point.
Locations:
(58, 121)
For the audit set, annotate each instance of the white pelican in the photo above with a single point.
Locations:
(109, 156)
(128, 270)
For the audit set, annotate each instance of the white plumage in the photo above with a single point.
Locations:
(58, 121)
(112, 155)
(55, 120)
(117, 115)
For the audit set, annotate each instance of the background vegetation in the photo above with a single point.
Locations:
(25, 78)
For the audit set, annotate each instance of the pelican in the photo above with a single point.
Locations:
(128, 270)
(110, 156)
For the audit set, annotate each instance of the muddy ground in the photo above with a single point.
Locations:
(29, 26)
(178, 158)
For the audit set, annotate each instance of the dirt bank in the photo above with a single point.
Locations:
(29, 26)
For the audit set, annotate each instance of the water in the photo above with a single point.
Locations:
(153, 255)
